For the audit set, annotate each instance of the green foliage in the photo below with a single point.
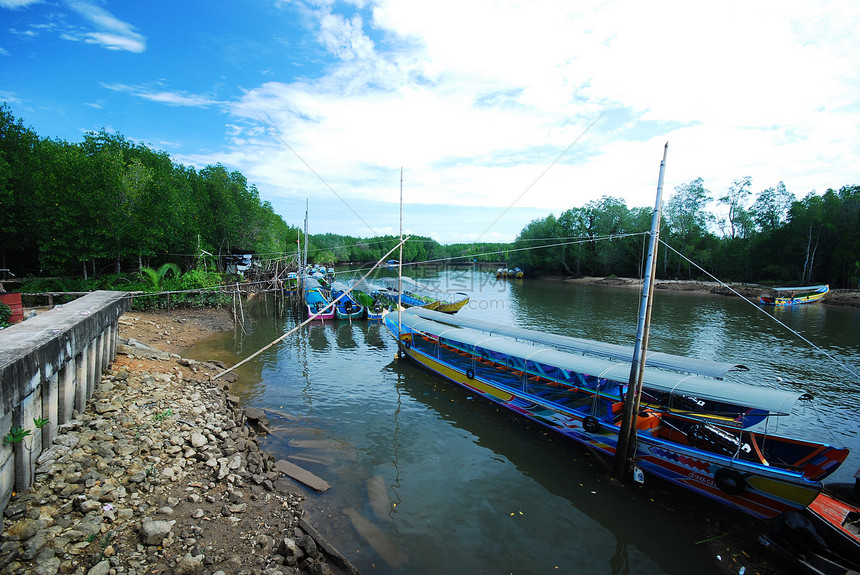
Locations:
(110, 203)
(163, 415)
(154, 278)
(5, 314)
(40, 422)
(199, 279)
(15, 435)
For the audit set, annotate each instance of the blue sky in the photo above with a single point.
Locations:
(499, 112)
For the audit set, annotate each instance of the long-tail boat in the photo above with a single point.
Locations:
(367, 295)
(693, 429)
(416, 294)
(784, 296)
(662, 415)
(316, 300)
(405, 294)
(347, 306)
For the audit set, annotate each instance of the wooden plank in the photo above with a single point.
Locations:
(302, 475)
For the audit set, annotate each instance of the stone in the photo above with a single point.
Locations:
(100, 568)
(289, 548)
(189, 565)
(48, 566)
(23, 529)
(198, 440)
(154, 532)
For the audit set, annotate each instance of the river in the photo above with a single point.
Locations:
(427, 479)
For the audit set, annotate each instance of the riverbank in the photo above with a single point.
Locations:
(840, 297)
(162, 473)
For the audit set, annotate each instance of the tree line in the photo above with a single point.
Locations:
(108, 205)
(764, 237)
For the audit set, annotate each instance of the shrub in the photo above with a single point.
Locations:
(5, 314)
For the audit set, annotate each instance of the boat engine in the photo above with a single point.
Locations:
(712, 438)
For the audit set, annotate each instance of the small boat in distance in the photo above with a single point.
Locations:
(291, 286)
(783, 296)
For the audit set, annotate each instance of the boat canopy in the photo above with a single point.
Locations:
(410, 285)
(803, 289)
(311, 283)
(596, 348)
(776, 402)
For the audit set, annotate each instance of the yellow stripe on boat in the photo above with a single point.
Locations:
(797, 493)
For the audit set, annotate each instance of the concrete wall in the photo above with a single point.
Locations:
(49, 367)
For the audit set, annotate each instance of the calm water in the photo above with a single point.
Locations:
(426, 479)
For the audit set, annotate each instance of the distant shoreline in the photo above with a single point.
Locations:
(838, 297)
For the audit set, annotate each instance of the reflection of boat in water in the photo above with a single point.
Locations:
(693, 430)
(784, 296)
(344, 335)
(594, 505)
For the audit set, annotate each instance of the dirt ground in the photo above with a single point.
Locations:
(176, 330)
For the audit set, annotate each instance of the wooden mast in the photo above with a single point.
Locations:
(627, 433)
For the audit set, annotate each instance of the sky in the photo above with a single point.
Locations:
(496, 112)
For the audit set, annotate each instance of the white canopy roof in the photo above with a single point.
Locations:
(771, 400)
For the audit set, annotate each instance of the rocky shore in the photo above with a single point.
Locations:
(162, 473)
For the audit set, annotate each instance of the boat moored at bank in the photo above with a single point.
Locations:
(695, 431)
(787, 296)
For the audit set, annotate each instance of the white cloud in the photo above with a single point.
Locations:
(476, 99)
(111, 32)
(164, 96)
(16, 4)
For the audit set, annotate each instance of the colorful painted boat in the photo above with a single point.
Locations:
(316, 299)
(693, 428)
(346, 306)
(838, 522)
(406, 295)
(367, 295)
(291, 285)
(453, 303)
(784, 296)
(416, 294)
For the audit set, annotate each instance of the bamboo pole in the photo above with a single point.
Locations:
(627, 433)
